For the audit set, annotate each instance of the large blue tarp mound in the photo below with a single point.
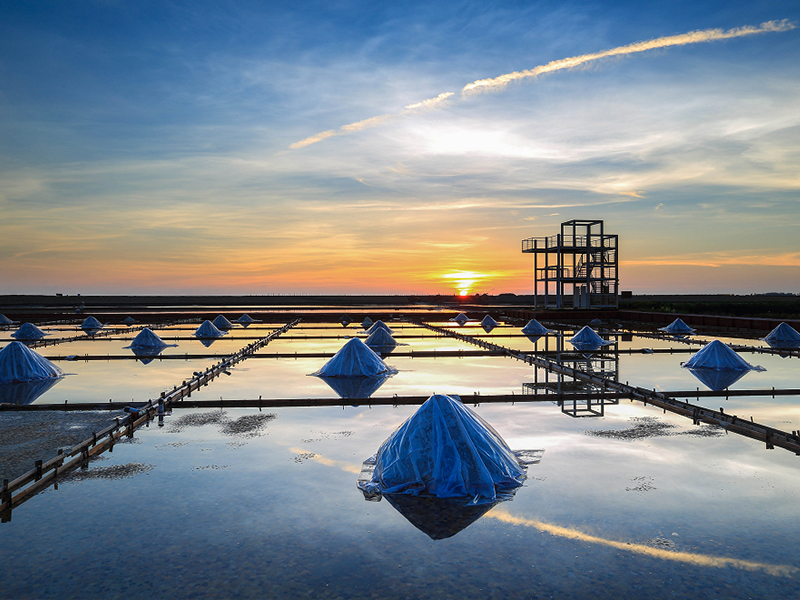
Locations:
(677, 327)
(445, 450)
(783, 336)
(18, 364)
(355, 359)
(488, 323)
(716, 355)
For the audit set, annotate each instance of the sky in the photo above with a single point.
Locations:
(394, 148)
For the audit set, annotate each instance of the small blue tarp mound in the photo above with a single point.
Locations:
(445, 450)
(208, 330)
(129, 321)
(677, 327)
(587, 339)
(783, 336)
(246, 320)
(146, 339)
(28, 332)
(381, 341)
(18, 364)
(380, 325)
(488, 323)
(535, 328)
(366, 323)
(460, 318)
(4, 320)
(345, 320)
(91, 324)
(222, 323)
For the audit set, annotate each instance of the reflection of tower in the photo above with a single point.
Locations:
(603, 364)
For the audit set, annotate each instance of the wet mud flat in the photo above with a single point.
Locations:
(26, 437)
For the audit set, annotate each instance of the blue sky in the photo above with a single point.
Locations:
(153, 147)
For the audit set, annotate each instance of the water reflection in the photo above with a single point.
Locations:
(438, 518)
(26, 392)
(717, 379)
(355, 387)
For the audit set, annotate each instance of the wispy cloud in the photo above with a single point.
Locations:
(693, 37)
(498, 83)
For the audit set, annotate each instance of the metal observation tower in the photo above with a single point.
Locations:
(577, 267)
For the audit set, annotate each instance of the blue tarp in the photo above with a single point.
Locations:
(445, 450)
(488, 323)
(677, 327)
(28, 331)
(716, 355)
(783, 336)
(587, 339)
(535, 328)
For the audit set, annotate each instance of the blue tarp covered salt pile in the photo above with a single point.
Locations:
(446, 451)
(18, 363)
(345, 320)
(222, 323)
(535, 328)
(91, 325)
(4, 320)
(677, 327)
(208, 331)
(381, 341)
(379, 325)
(587, 339)
(355, 371)
(246, 320)
(129, 321)
(366, 323)
(28, 332)
(488, 323)
(460, 318)
(718, 366)
(783, 336)
(147, 345)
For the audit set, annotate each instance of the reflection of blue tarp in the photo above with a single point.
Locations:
(438, 518)
(26, 392)
(718, 379)
(355, 387)
(447, 451)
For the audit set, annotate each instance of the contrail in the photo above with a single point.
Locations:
(693, 37)
(498, 83)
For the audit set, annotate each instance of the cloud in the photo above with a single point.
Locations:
(498, 83)
(693, 37)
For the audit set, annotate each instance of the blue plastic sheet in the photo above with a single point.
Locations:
(445, 450)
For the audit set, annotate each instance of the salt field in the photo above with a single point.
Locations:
(628, 501)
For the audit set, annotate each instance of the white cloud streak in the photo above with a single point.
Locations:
(498, 83)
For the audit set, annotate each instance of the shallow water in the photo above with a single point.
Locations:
(252, 504)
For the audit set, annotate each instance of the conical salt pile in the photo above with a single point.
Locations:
(345, 320)
(717, 355)
(208, 330)
(91, 323)
(222, 323)
(445, 450)
(488, 323)
(381, 341)
(4, 320)
(677, 327)
(380, 325)
(366, 322)
(245, 320)
(461, 318)
(783, 336)
(587, 339)
(354, 359)
(28, 332)
(535, 328)
(19, 363)
(146, 339)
